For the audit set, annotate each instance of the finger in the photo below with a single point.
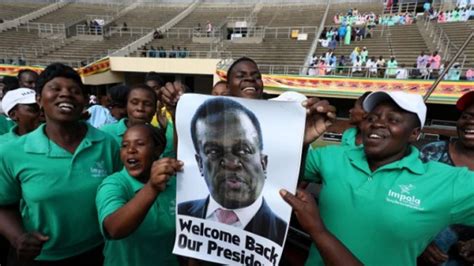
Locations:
(175, 164)
(437, 254)
(40, 237)
(293, 201)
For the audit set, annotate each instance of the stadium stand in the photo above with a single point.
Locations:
(10, 11)
(457, 33)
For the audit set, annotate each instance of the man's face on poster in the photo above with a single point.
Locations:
(230, 159)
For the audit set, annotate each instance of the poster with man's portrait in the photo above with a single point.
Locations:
(237, 155)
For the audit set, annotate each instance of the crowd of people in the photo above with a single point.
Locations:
(161, 52)
(463, 11)
(360, 63)
(92, 185)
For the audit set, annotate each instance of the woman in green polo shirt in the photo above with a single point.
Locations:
(380, 199)
(53, 173)
(137, 205)
(141, 107)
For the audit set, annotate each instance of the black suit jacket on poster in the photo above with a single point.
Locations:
(265, 223)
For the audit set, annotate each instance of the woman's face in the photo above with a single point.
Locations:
(356, 113)
(387, 131)
(62, 100)
(26, 116)
(465, 127)
(245, 81)
(140, 106)
(138, 152)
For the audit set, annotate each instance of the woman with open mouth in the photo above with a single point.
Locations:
(136, 206)
(53, 173)
(396, 203)
(456, 153)
(141, 107)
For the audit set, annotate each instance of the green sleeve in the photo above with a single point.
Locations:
(312, 166)
(118, 165)
(169, 151)
(462, 211)
(111, 196)
(10, 189)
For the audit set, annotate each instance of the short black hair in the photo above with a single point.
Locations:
(242, 59)
(25, 71)
(221, 105)
(145, 88)
(118, 95)
(158, 135)
(58, 70)
(220, 82)
(11, 83)
(361, 99)
(153, 76)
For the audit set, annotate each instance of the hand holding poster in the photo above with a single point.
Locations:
(237, 155)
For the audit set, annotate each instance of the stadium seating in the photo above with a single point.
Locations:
(9, 11)
(457, 33)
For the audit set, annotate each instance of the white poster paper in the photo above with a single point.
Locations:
(237, 155)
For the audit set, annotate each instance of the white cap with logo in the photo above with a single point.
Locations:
(18, 96)
(410, 102)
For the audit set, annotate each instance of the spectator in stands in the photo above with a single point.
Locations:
(458, 153)
(124, 26)
(209, 29)
(402, 72)
(21, 107)
(132, 202)
(464, 13)
(341, 65)
(162, 52)
(415, 72)
(331, 64)
(357, 65)
(342, 33)
(152, 52)
(186, 52)
(358, 36)
(220, 89)
(441, 17)
(454, 72)
(371, 67)
(381, 66)
(347, 36)
(470, 74)
(54, 173)
(323, 34)
(364, 55)
(117, 101)
(333, 43)
(355, 53)
(172, 52)
(392, 65)
(352, 136)
(312, 68)
(422, 60)
(10, 83)
(435, 60)
(181, 53)
(27, 78)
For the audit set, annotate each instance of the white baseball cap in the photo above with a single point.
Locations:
(412, 103)
(18, 96)
(290, 96)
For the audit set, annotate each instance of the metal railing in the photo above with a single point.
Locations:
(44, 28)
(130, 31)
(402, 8)
(181, 54)
(285, 32)
(442, 42)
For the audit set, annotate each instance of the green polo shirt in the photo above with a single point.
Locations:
(9, 136)
(152, 242)
(116, 130)
(5, 124)
(57, 189)
(349, 137)
(169, 149)
(389, 216)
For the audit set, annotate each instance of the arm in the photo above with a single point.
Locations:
(28, 245)
(331, 249)
(127, 218)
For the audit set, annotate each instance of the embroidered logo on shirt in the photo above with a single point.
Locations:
(98, 169)
(404, 197)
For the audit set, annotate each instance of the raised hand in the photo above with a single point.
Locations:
(319, 116)
(162, 170)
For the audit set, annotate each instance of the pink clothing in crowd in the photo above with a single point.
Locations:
(435, 61)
